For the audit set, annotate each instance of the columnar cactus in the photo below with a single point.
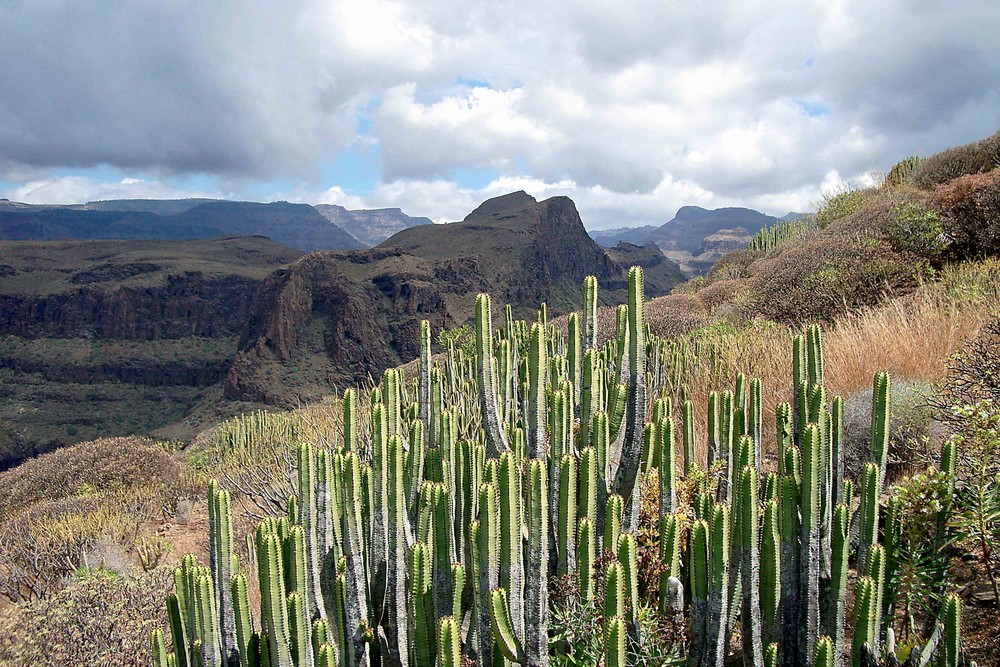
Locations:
(496, 439)
(626, 476)
(420, 617)
(567, 509)
(449, 643)
(536, 585)
(865, 616)
(590, 312)
(770, 575)
(668, 468)
(871, 489)
(880, 423)
(224, 566)
(690, 461)
(488, 565)
(809, 541)
(479, 475)
(718, 596)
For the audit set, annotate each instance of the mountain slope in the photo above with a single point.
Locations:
(120, 337)
(373, 226)
(529, 252)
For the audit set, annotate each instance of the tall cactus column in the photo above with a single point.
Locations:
(635, 412)
(536, 584)
(496, 439)
(224, 567)
(753, 651)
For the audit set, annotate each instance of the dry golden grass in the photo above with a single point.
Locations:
(910, 337)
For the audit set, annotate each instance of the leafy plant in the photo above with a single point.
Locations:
(463, 338)
(921, 566)
(977, 513)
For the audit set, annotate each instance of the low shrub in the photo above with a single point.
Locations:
(970, 208)
(100, 618)
(842, 203)
(674, 315)
(974, 158)
(103, 465)
(913, 227)
(973, 378)
(832, 274)
(41, 546)
(911, 429)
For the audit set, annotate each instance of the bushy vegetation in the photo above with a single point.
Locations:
(969, 206)
(84, 506)
(974, 158)
(99, 618)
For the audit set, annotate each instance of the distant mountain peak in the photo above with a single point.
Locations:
(508, 202)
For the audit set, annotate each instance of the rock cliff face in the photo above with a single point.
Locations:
(120, 337)
(191, 304)
(338, 318)
(335, 318)
(523, 251)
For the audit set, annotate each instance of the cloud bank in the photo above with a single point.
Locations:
(632, 108)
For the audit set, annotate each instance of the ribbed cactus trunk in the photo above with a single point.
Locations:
(880, 423)
(399, 540)
(718, 591)
(496, 439)
(536, 584)
(809, 542)
(790, 571)
(488, 566)
(625, 479)
(223, 565)
(357, 625)
(753, 650)
(771, 573)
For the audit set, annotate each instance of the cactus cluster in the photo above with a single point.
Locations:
(429, 533)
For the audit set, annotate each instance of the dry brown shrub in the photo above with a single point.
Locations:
(46, 542)
(971, 209)
(674, 315)
(977, 157)
(734, 265)
(973, 376)
(828, 276)
(718, 292)
(91, 467)
(98, 619)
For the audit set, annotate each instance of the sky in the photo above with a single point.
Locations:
(633, 108)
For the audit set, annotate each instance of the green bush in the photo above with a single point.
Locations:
(842, 203)
(109, 464)
(915, 228)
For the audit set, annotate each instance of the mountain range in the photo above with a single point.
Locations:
(695, 237)
(301, 226)
(114, 337)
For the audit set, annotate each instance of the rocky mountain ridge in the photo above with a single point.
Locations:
(120, 337)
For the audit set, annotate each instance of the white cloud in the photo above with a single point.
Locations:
(632, 108)
(80, 189)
